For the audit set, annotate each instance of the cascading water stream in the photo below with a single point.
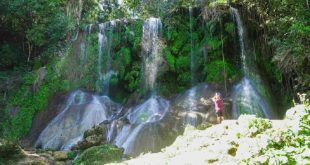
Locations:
(142, 118)
(242, 40)
(151, 52)
(81, 112)
(140, 134)
(246, 98)
(105, 37)
(189, 119)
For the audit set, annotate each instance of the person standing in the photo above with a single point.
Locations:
(219, 106)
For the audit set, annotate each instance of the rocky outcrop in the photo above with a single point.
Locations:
(99, 155)
(10, 150)
(93, 137)
(248, 140)
(12, 154)
(46, 157)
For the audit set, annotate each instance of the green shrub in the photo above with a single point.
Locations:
(71, 155)
(287, 146)
(214, 71)
(258, 125)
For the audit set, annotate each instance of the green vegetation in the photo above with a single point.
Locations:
(288, 146)
(71, 155)
(99, 155)
(203, 126)
(31, 28)
(285, 26)
(215, 71)
(27, 100)
(258, 125)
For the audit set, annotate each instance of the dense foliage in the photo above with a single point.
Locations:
(29, 99)
(285, 26)
(29, 28)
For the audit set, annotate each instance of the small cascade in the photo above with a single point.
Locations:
(190, 117)
(195, 105)
(81, 112)
(84, 43)
(105, 37)
(151, 52)
(247, 100)
(246, 96)
(89, 28)
(141, 134)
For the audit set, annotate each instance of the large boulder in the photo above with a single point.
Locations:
(99, 155)
(93, 137)
(9, 151)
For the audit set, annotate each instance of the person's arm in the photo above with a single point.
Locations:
(213, 99)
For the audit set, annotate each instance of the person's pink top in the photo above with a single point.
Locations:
(218, 104)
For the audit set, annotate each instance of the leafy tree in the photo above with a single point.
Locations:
(32, 26)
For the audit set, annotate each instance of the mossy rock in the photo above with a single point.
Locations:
(203, 126)
(100, 155)
(9, 149)
(10, 152)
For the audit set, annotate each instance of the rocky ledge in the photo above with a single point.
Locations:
(248, 140)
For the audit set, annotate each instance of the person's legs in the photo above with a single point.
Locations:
(218, 119)
(221, 118)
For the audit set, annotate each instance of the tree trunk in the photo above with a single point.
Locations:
(29, 51)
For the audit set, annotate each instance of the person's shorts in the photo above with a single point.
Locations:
(219, 113)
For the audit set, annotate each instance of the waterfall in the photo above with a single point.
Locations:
(189, 119)
(192, 64)
(246, 99)
(247, 95)
(105, 37)
(151, 52)
(81, 112)
(242, 40)
(140, 134)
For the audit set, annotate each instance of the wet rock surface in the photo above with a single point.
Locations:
(153, 124)
(41, 120)
(81, 112)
